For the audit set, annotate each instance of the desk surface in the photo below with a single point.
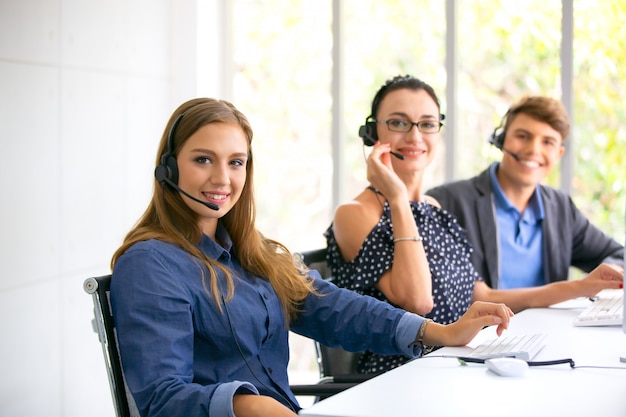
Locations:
(434, 386)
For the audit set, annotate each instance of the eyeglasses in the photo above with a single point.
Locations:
(400, 125)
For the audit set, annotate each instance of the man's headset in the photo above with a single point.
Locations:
(167, 171)
(499, 133)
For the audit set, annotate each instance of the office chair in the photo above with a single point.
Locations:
(99, 288)
(337, 367)
(123, 403)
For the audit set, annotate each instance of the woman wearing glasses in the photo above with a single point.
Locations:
(396, 244)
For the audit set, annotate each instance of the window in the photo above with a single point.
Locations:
(282, 53)
(302, 68)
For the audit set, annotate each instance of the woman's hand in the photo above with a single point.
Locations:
(479, 315)
(381, 175)
(250, 405)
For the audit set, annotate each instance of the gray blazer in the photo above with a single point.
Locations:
(569, 239)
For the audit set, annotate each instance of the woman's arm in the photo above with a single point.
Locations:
(245, 405)
(605, 276)
(408, 283)
(462, 331)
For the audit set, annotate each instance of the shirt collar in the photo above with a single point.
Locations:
(214, 249)
(534, 209)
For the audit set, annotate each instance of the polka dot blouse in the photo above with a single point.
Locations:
(448, 254)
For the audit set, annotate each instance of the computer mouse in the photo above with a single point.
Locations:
(507, 366)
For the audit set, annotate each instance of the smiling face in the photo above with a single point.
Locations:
(539, 148)
(212, 168)
(411, 106)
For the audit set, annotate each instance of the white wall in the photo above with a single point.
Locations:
(86, 87)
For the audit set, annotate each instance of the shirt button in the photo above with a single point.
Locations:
(270, 370)
(265, 295)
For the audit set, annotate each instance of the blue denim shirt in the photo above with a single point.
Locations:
(181, 356)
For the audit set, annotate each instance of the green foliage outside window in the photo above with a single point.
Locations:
(506, 49)
(283, 62)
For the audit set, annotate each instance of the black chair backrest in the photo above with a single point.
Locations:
(333, 361)
(103, 324)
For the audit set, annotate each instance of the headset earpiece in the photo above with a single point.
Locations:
(168, 169)
(367, 132)
(497, 138)
(499, 133)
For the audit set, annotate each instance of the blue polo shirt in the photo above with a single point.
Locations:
(520, 237)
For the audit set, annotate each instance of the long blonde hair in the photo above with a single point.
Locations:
(169, 219)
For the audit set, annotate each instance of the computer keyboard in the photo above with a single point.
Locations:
(524, 347)
(606, 310)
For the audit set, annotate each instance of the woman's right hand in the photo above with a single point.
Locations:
(381, 175)
(461, 332)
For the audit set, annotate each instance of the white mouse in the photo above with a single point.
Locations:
(507, 366)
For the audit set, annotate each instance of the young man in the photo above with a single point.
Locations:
(525, 234)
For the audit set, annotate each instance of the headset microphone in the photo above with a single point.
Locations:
(397, 155)
(514, 155)
(167, 171)
(499, 133)
(365, 132)
(497, 140)
(160, 177)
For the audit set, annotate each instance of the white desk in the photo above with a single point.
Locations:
(433, 387)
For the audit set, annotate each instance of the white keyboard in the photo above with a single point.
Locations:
(607, 310)
(524, 347)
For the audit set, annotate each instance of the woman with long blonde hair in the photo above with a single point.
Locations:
(203, 302)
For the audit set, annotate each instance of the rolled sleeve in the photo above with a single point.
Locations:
(407, 329)
(222, 402)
